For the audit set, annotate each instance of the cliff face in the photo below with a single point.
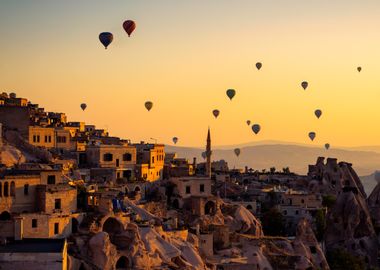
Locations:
(332, 177)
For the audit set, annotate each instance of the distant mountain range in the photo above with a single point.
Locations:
(266, 154)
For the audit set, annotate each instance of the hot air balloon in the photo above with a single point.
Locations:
(256, 128)
(83, 106)
(148, 105)
(215, 113)
(204, 155)
(175, 140)
(312, 135)
(129, 26)
(327, 146)
(231, 93)
(248, 122)
(106, 38)
(304, 85)
(359, 69)
(237, 151)
(259, 65)
(318, 113)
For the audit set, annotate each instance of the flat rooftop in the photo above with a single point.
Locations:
(34, 246)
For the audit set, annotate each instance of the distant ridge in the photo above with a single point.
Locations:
(296, 157)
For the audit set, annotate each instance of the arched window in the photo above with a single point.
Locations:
(108, 157)
(127, 157)
(13, 189)
(6, 189)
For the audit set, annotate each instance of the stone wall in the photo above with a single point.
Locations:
(15, 118)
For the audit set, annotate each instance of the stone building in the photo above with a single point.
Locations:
(111, 162)
(42, 136)
(150, 159)
(36, 204)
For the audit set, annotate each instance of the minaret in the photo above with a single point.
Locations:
(208, 154)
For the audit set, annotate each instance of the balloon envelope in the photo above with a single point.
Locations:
(215, 113)
(256, 128)
(318, 113)
(359, 69)
(312, 135)
(83, 106)
(248, 122)
(106, 38)
(237, 151)
(304, 85)
(175, 140)
(231, 93)
(148, 105)
(327, 146)
(129, 26)
(259, 65)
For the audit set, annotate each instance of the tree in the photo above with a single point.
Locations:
(339, 259)
(273, 223)
(328, 201)
(286, 170)
(272, 170)
(320, 224)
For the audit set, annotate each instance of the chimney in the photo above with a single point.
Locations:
(194, 162)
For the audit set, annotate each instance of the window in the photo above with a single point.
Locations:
(297, 212)
(152, 160)
(107, 157)
(188, 189)
(6, 191)
(56, 228)
(38, 138)
(26, 189)
(285, 213)
(127, 157)
(46, 138)
(34, 138)
(13, 189)
(1, 189)
(51, 180)
(201, 188)
(34, 223)
(49, 138)
(57, 204)
(61, 139)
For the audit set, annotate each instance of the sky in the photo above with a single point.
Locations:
(184, 55)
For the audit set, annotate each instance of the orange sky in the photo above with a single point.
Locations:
(184, 56)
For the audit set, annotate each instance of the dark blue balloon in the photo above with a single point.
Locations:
(106, 38)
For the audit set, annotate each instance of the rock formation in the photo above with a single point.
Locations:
(373, 202)
(349, 224)
(332, 177)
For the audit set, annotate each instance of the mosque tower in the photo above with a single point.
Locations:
(208, 154)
